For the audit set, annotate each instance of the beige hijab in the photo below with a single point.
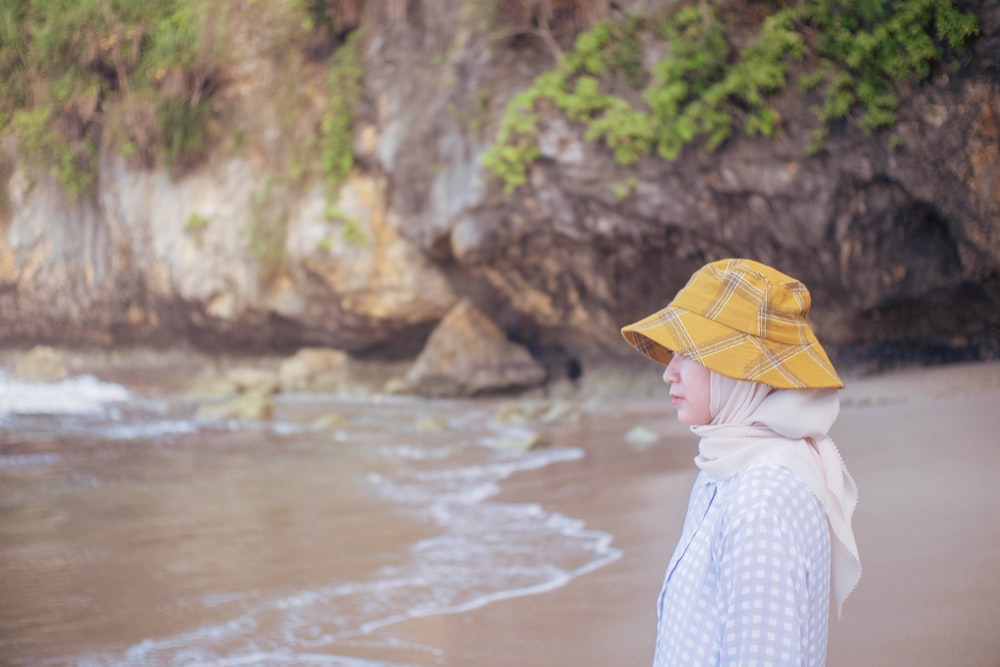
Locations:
(754, 424)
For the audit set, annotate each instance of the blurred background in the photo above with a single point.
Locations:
(273, 271)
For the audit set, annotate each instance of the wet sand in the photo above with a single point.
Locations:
(924, 448)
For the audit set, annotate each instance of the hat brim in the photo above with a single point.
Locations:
(732, 353)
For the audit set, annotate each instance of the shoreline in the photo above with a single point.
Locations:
(174, 369)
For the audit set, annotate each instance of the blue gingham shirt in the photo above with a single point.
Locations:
(749, 582)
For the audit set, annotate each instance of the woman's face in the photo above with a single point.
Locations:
(690, 390)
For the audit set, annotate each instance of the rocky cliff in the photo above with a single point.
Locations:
(897, 234)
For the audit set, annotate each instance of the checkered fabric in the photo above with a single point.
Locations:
(749, 582)
(744, 320)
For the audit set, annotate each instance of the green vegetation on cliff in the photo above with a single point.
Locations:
(336, 133)
(72, 69)
(724, 64)
(144, 78)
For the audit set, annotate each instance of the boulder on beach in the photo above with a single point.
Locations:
(328, 422)
(250, 380)
(428, 424)
(516, 440)
(210, 384)
(467, 354)
(41, 364)
(313, 369)
(247, 406)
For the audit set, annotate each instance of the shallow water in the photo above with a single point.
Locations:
(131, 534)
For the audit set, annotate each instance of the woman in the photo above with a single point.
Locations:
(767, 537)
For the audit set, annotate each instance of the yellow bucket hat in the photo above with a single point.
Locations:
(741, 319)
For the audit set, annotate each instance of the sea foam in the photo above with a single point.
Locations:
(79, 395)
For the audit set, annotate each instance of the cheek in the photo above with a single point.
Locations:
(701, 411)
(701, 396)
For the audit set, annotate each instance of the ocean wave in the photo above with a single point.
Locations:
(151, 430)
(23, 460)
(79, 395)
(482, 551)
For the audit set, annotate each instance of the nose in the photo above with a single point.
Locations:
(670, 374)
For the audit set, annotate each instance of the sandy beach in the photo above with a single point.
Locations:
(922, 445)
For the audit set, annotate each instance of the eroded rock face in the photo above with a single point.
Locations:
(468, 355)
(206, 259)
(897, 235)
(883, 236)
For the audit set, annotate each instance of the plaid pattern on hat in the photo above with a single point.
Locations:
(744, 320)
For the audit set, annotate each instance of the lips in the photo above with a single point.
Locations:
(675, 399)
